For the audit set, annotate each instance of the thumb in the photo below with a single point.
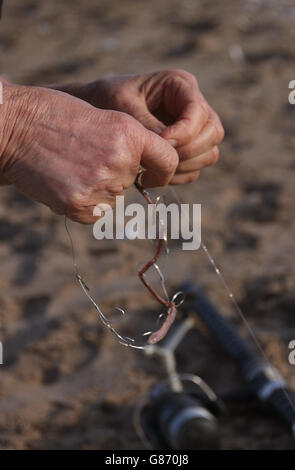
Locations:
(159, 159)
(139, 110)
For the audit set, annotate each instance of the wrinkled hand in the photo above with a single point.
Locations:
(65, 153)
(168, 103)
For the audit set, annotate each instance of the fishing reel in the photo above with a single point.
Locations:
(180, 412)
(181, 419)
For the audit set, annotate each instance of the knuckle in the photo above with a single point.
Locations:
(130, 162)
(172, 163)
(194, 176)
(191, 177)
(127, 129)
(185, 74)
(116, 160)
(215, 151)
(77, 211)
(204, 110)
(168, 165)
(213, 156)
(122, 161)
(74, 202)
(120, 125)
(188, 151)
(128, 121)
(190, 133)
(119, 121)
(119, 136)
(93, 175)
(114, 188)
(123, 118)
(219, 132)
(208, 159)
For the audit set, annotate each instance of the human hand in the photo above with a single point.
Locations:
(168, 103)
(63, 152)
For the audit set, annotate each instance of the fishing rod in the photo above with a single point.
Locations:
(182, 412)
(262, 378)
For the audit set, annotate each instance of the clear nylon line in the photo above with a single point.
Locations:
(126, 341)
(236, 306)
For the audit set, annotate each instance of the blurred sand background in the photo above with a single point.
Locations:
(65, 382)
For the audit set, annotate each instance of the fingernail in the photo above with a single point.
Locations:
(172, 142)
(159, 130)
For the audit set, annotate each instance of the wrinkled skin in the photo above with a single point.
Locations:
(65, 153)
(168, 103)
(82, 145)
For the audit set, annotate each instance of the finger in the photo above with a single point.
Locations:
(159, 159)
(83, 217)
(206, 159)
(211, 135)
(139, 110)
(90, 214)
(185, 178)
(192, 116)
(97, 205)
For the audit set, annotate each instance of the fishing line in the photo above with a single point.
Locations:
(236, 305)
(124, 340)
(130, 342)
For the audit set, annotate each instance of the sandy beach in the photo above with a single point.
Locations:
(65, 382)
